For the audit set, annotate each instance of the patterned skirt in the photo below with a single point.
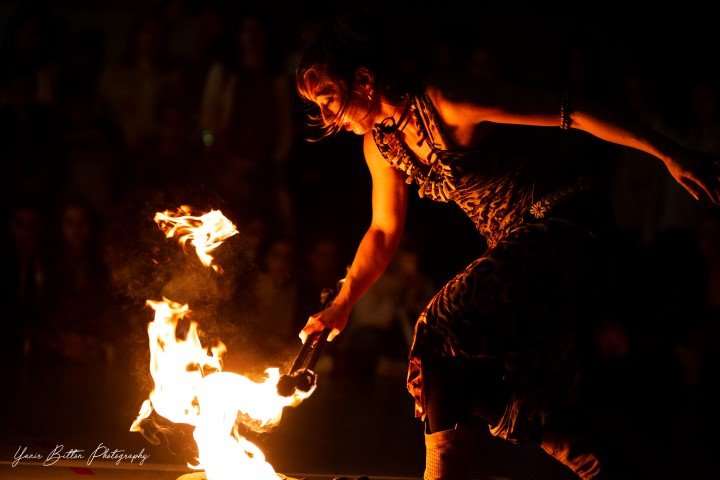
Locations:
(524, 306)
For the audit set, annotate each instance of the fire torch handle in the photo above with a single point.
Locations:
(311, 349)
(301, 375)
(319, 341)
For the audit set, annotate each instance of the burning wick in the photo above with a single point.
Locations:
(303, 380)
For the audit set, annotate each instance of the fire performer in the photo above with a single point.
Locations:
(499, 344)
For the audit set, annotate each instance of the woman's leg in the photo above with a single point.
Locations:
(448, 453)
(452, 421)
(519, 304)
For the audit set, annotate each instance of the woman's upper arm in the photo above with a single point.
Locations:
(389, 191)
(465, 104)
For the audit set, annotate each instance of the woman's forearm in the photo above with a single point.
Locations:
(378, 245)
(373, 255)
(621, 130)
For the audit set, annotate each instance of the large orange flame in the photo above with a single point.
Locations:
(189, 384)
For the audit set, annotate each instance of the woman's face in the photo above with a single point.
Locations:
(353, 109)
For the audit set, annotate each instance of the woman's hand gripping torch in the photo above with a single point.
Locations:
(301, 375)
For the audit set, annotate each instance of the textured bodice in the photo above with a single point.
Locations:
(495, 183)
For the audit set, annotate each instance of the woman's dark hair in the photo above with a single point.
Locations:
(353, 40)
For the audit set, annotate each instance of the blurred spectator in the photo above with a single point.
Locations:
(484, 63)
(246, 123)
(308, 24)
(79, 287)
(321, 267)
(171, 156)
(418, 287)
(197, 31)
(636, 180)
(275, 291)
(25, 268)
(703, 126)
(89, 146)
(131, 88)
(709, 232)
(254, 234)
(700, 351)
(699, 128)
(34, 41)
(380, 326)
(586, 77)
(28, 138)
(654, 381)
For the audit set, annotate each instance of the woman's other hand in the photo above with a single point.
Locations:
(698, 172)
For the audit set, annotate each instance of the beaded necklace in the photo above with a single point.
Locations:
(434, 178)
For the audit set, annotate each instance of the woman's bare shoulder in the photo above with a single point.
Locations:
(457, 100)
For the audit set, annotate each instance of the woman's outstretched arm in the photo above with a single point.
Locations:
(377, 247)
(462, 106)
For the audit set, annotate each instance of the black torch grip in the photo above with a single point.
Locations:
(317, 342)
(301, 375)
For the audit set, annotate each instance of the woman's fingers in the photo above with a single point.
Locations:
(313, 325)
(333, 333)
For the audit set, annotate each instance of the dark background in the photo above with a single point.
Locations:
(76, 358)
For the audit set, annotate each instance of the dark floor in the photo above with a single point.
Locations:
(345, 428)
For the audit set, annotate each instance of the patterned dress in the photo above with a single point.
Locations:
(518, 305)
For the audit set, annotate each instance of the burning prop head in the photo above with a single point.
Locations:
(189, 384)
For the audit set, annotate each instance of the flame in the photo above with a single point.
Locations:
(205, 232)
(190, 386)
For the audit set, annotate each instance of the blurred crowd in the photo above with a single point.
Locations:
(199, 106)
